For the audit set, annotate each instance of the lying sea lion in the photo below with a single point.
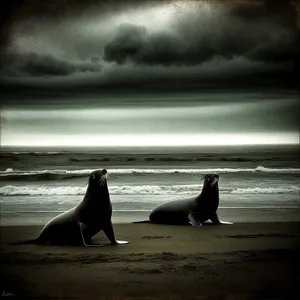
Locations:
(194, 211)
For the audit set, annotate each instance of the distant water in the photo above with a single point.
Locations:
(37, 181)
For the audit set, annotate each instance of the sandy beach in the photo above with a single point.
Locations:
(241, 261)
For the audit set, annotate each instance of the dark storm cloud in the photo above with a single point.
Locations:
(135, 44)
(6, 20)
(33, 64)
(198, 39)
(283, 11)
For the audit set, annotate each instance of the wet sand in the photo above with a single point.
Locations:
(246, 214)
(240, 261)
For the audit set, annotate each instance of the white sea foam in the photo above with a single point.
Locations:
(37, 152)
(35, 190)
(269, 190)
(84, 172)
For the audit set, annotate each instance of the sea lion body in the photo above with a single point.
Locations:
(173, 212)
(78, 225)
(194, 211)
(62, 229)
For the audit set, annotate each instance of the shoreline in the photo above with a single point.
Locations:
(240, 261)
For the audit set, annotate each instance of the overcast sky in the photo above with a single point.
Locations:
(149, 72)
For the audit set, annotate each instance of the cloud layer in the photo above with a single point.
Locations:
(33, 64)
(167, 42)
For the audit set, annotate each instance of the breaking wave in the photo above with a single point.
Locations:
(34, 153)
(193, 189)
(11, 174)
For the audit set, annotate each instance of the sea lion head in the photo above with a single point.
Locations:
(97, 179)
(210, 180)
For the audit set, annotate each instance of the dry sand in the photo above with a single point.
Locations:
(240, 261)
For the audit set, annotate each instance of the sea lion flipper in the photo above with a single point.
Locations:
(226, 223)
(24, 242)
(193, 220)
(215, 219)
(82, 226)
(122, 242)
(109, 231)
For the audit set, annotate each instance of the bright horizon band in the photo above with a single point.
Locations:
(155, 140)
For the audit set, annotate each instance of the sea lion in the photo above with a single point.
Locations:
(194, 211)
(78, 225)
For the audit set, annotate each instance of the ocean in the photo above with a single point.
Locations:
(37, 184)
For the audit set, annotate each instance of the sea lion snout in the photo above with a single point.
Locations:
(215, 179)
(103, 177)
(211, 179)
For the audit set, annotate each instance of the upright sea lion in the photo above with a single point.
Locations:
(78, 225)
(194, 211)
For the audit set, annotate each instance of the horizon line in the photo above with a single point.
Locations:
(153, 146)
